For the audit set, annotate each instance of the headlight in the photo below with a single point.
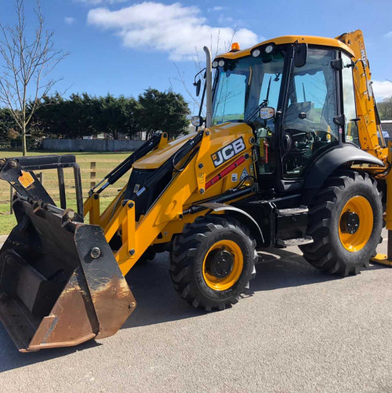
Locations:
(269, 48)
(197, 121)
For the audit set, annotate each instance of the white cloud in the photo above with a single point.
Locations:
(218, 8)
(225, 19)
(174, 29)
(388, 35)
(382, 89)
(100, 2)
(69, 20)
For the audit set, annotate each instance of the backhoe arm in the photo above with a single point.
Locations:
(369, 128)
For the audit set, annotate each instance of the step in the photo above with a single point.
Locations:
(300, 241)
(292, 211)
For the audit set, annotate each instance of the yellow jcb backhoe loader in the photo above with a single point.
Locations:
(291, 154)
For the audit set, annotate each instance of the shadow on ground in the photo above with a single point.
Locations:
(10, 358)
(158, 302)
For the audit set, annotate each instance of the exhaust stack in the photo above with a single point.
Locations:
(209, 86)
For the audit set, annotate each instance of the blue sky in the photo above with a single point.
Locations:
(124, 47)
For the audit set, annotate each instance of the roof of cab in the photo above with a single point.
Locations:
(290, 39)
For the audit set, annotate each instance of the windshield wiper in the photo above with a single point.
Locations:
(268, 91)
(254, 114)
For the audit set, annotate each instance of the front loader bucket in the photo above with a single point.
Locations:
(59, 282)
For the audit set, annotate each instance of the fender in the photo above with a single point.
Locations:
(322, 168)
(239, 214)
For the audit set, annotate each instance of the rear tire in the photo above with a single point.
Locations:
(345, 223)
(212, 262)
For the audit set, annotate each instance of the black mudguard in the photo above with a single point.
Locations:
(322, 168)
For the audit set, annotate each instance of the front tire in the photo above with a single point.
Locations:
(212, 262)
(345, 223)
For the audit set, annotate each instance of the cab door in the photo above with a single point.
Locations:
(308, 125)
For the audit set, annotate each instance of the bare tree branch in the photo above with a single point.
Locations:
(26, 66)
(216, 49)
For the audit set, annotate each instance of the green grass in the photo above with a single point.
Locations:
(105, 162)
(7, 220)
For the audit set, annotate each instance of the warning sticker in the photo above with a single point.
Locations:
(244, 174)
(234, 177)
(26, 179)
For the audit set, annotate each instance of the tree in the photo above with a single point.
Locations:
(72, 118)
(116, 115)
(7, 125)
(27, 64)
(78, 116)
(85, 115)
(385, 109)
(49, 117)
(165, 112)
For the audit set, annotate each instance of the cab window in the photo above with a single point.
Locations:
(308, 124)
(350, 113)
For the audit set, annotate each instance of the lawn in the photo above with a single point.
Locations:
(104, 163)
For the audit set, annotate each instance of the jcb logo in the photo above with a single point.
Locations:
(228, 152)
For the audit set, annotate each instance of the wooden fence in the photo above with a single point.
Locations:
(91, 172)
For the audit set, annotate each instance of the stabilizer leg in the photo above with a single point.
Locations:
(383, 259)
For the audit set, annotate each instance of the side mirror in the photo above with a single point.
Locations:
(301, 55)
(197, 83)
(198, 86)
(267, 113)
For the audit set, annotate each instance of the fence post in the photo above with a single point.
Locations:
(41, 177)
(93, 174)
(11, 198)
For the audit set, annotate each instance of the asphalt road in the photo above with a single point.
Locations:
(297, 330)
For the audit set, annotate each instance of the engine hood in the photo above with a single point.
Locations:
(221, 135)
(156, 158)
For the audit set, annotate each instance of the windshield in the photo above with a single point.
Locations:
(245, 83)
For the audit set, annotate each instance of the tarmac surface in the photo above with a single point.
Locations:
(296, 330)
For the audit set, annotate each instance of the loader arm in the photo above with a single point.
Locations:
(198, 177)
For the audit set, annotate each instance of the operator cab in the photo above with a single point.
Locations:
(300, 90)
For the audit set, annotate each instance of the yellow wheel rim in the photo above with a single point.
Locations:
(356, 224)
(234, 273)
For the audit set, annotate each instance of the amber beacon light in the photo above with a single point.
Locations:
(235, 46)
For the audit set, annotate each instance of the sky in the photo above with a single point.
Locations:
(123, 47)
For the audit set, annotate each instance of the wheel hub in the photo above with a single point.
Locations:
(220, 263)
(349, 223)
